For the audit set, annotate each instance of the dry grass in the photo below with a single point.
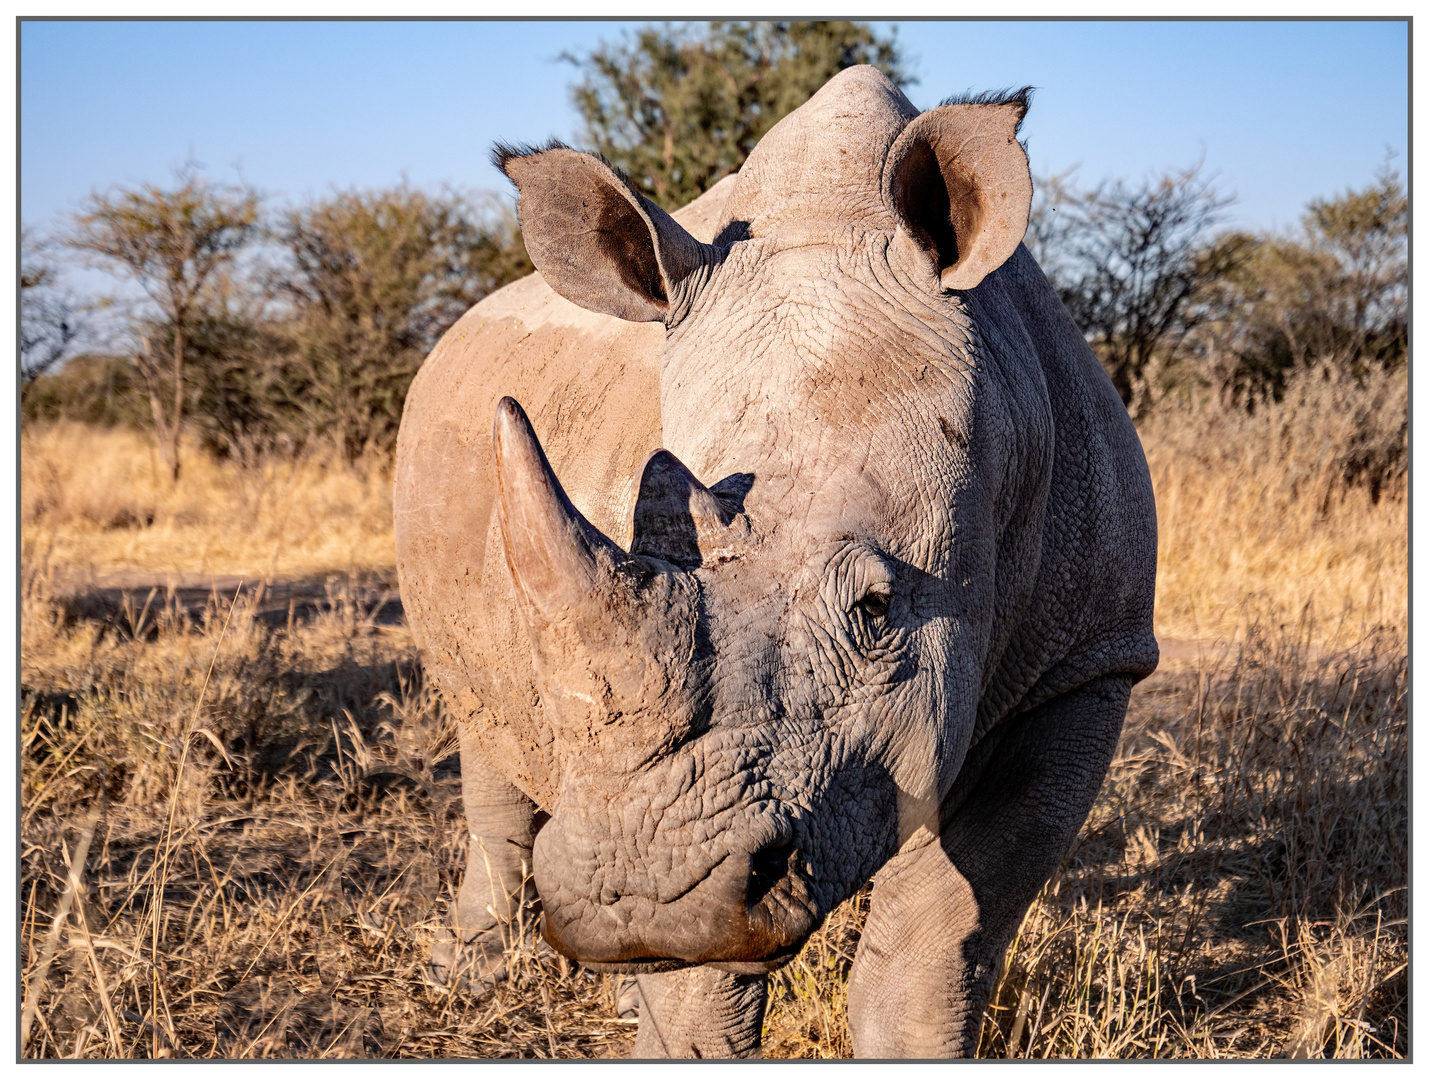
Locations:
(96, 504)
(276, 841)
(1239, 888)
(274, 802)
(1256, 521)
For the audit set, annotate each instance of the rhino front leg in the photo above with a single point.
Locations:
(500, 820)
(942, 915)
(700, 1013)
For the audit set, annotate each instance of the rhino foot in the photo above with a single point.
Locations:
(474, 965)
(627, 997)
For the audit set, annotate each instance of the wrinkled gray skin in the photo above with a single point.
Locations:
(893, 638)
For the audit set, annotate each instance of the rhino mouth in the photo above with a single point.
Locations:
(750, 914)
(734, 967)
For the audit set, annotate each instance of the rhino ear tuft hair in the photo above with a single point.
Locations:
(1021, 98)
(502, 152)
(594, 238)
(958, 184)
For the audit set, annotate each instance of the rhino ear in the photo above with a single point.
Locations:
(958, 184)
(598, 242)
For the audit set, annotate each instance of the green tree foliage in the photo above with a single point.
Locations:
(171, 241)
(1332, 295)
(680, 108)
(371, 281)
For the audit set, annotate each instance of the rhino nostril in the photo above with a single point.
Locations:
(767, 868)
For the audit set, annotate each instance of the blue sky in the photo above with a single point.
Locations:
(1281, 111)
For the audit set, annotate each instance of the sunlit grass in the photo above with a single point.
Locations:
(1238, 889)
(96, 504)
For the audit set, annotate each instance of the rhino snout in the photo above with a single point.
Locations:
(748, 913)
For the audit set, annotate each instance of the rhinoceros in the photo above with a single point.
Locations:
(790, 541)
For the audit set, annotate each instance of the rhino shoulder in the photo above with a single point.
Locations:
(1090, 613)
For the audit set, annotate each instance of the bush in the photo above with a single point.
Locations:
(372, 280)
(103, 391)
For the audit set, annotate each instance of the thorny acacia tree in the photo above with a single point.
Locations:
(231, 355)
(51, 322)
(680, 108)
(373, 279)
(1128, 261)
(171, 242)
(1332, 295)
(1338, 293)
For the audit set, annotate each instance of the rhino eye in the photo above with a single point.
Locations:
(874, 603)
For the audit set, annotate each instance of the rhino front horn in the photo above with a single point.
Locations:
(552, 550)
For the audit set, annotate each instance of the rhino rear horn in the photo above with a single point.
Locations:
(677, 518)
(554, 553)
(958, 184)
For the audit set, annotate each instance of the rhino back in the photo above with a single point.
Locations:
(590, 384)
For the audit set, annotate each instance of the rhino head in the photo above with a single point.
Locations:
(765, 697)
